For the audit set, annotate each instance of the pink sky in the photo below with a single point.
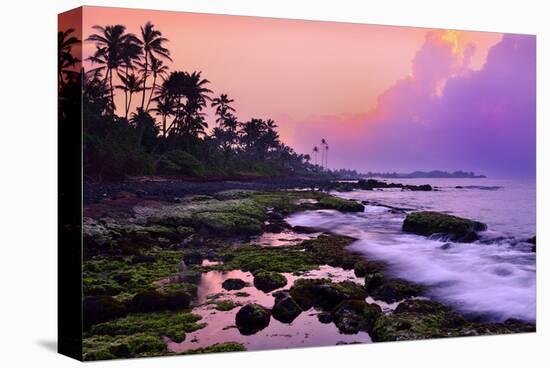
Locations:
(382, 95)
(288, 70)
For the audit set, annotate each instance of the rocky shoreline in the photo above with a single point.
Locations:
(157, 266)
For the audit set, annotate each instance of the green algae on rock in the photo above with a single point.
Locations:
(268, 281)
(170, 324)
(224, 347)
(252, 318)
(324, 293)
(455, 228)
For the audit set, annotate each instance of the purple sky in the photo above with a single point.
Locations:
(446, 115)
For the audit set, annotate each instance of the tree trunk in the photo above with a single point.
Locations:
(144, 80)
(152, 91)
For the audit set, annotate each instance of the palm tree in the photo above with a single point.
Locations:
(130, 84)
(111, 42)
(189, 95)
(223, 108)
(152, 43)
(326, 156)
(65, 58)
(158, 69)
(323, 144)
(315, 151)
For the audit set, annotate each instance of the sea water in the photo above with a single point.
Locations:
(492, 279)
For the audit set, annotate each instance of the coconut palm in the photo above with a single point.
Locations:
(315, 151)
(111, 43)
(152, 43)
(65, 58)
(130, 84)
(223, 108)
(158, 69)
(326, 156)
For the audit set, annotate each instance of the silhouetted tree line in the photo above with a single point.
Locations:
(161, 127)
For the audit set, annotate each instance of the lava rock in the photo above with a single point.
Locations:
(233, 284)
(252, 318)
(98, 309)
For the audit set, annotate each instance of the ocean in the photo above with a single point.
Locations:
(492, 279)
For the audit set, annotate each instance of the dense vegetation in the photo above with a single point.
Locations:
(142, 118)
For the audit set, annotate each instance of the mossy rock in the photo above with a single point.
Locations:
(331, 250)
(234, 284)
(393, 290)
(98, 309)
(227, 223)
(103, 347)
(352, 316)
(225, 305)
(324, 293)
(252, 318)
(285, 309)
(255, 258)
(452, 227)
(171, 324)
(342, 205)
(418, 319)
(224, 347)
(154, 301)
(268, 281)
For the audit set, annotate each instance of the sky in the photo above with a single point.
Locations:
(385, 98)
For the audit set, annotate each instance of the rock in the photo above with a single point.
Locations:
(267, 281)
(360, 269)
(98, 309)
(306, 229)
(143, 259)
(285, 309)
(373, 281)
(252, 318)
(533, 241)
(452, 227)
(393, 290)
(352, 316)
(325, 294)
(420, 319)
(324, 317)
(193, 258)
(445, 246)
(233, 284)
(154, 301)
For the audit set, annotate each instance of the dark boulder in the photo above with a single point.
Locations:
(267, 281)
(285, 309)
(451, 227)
(98, 309)
(233, 284)
(325, 294)
(138, 258)
(193, 258)
(393, 290)
(153, 301)
(352, 316)
(252, 318)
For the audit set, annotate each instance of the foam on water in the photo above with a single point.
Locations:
(493, 280)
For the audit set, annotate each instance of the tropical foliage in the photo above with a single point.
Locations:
(142, 118)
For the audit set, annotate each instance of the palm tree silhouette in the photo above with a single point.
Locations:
(110, 42)
(65, 58)
(315, 151)
(326, 156)
(130, 84)
(152, 43)
(158, 69)
(323, 144)
(223, 108)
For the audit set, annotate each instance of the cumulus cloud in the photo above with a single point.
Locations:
(448, 116)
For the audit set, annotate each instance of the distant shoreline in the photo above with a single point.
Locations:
(435, 174)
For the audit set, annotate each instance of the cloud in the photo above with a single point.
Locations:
(446, 115)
